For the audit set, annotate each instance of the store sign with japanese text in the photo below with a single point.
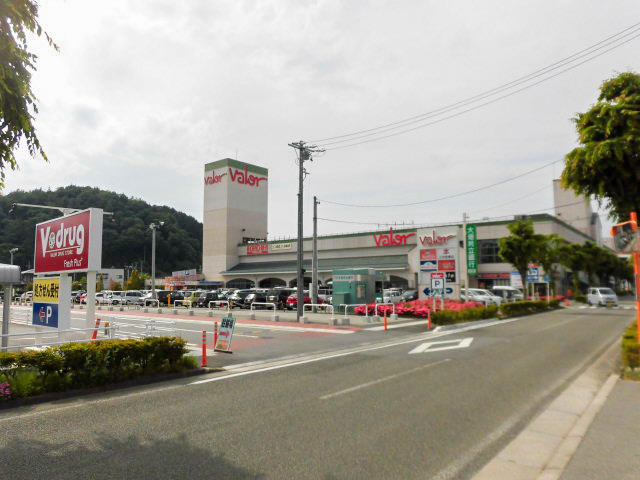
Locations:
(472, 250)
(438, 258)
(225, 335)
(69, 244)
(46, 295)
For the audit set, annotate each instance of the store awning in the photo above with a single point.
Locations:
(384, 262)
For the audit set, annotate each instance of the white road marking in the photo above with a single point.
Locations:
(380, 380)
(352, 352)
(397, 325)
(458, 343)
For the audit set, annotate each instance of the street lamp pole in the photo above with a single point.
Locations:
(11, 252)
(154, 227)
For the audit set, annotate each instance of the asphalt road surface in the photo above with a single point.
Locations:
(369, 409)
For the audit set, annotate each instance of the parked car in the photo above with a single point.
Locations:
(392, 295)
(132, 297)
(508, 294)
(481, 296)
(409, 295)
(100, 298)
(191, 296)
(206, 297)
(238, 297)
(602, 296)
(116, 298)
(279, 296)
(260, 297)
(75, 295)
(292, 300)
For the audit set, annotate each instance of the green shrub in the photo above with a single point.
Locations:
(631, 353)
(83, 365)
(580, 298)
(526, 307)
(555, 303)
(448, 317)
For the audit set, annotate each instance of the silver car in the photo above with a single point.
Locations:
(602, 296)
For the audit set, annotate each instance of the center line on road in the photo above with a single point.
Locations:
(383, 379)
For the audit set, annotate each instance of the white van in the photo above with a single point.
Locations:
(508, 294)
(602, 296)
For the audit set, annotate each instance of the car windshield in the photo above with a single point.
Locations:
(606, 291)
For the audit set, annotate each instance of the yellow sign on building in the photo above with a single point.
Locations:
(46, 290)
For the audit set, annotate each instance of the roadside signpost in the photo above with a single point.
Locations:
(70, 244)
(438, 284)
(625, 239)
(225, 335)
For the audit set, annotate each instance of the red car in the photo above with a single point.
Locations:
(292, 300)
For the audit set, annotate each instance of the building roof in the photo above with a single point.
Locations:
(384, 262)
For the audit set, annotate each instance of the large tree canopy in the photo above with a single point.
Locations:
(17, 101)
(521, 247)
(607, 162)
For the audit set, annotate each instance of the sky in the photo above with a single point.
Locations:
(142, 94)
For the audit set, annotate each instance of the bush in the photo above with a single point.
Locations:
(526, 307)
(580, 298)
(83, 365)
(448, 317)
(631, 354)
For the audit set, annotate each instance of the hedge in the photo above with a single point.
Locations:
(84, 365)
(631, 353)
(448, 317)
(526, 307)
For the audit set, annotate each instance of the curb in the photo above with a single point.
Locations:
(144, 380)
(543, 449)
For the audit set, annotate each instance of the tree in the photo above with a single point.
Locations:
(100, 285)
(550, 254)
(572, 257)
(521, 247)
(17, 100)
(136, 282)
(607, 162)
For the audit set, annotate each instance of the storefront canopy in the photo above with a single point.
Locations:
(385, 262)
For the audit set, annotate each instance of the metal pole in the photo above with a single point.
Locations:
(5, 316)
(636, 271)
(300, 282)
(153, 261)
(314, 271)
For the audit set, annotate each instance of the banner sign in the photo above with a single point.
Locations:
(69, 244)
(225, 335)
(46, 296)
(472, 250)
(257, 249)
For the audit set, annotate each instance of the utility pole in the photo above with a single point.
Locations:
(314, 258)
(304, 154)
(154, 227)
(11, 252)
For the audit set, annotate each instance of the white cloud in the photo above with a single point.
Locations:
(142, 94)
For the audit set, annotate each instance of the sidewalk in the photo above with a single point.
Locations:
(611, 448)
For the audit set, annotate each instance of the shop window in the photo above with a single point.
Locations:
(488, 251)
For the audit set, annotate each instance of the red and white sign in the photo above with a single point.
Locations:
(72, 243)
(446, 265)
(387, 240)
(430, 254)
(257, 249)
(435, 239)
(437, 275)
(242, 177)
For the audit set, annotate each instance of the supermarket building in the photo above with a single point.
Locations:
(236, 252)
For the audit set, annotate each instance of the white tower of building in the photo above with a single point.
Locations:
(235, 209)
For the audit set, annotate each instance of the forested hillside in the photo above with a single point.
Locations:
(126, 237)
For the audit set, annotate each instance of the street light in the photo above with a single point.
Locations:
(154, 227)
(12, 251)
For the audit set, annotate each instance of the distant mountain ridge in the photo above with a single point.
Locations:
(126, 238)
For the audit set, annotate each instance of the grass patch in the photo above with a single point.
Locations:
(630, 354)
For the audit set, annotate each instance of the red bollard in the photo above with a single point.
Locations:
(204, 348)
(385, 318)
(95, 330)
(215, 334)
(566, 302)
(429, 319)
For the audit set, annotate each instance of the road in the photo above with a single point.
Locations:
(369, 409)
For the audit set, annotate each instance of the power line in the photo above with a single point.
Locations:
(462, 103)
(513, 200)
(589, 49)
(445, 197)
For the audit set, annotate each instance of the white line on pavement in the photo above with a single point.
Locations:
(380, 380)
(397, 325)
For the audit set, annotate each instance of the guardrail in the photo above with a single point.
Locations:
(321, 305)
(217, 303)
(147, 300)
(354, 305)
(263, 303)
(111, 329)
(184, 303)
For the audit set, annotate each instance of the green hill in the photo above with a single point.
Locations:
(126, 237)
